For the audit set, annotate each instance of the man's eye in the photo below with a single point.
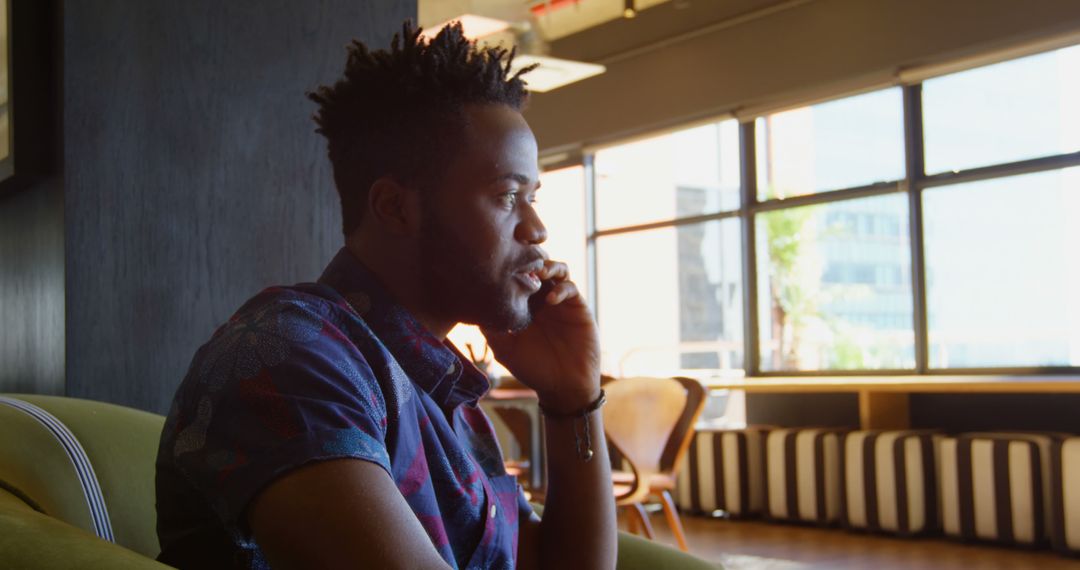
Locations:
(510, 198)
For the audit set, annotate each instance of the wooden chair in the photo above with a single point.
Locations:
(650, 422)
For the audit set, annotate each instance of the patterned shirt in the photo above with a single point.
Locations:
(330, 370)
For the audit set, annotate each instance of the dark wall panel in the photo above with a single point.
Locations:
(974, 412)
(803, 410)
(32, 289)
(950, 412)
(193, 175)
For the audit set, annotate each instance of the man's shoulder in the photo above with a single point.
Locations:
(277, 326)
(313, 298)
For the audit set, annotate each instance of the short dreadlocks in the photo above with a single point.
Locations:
(398, 112)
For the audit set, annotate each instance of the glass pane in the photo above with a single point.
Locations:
(834, 286)
(1020, 109)
(845, 143)
(560, 204)
(670, 300)
(1002, 272)
(681, 174)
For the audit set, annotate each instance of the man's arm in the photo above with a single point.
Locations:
(558, 355)
(341, 513)
(578, 527)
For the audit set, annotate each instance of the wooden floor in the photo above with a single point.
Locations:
(767, 546)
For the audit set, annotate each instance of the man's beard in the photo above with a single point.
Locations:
(459, 285)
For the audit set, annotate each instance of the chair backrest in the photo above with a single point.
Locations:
(650, 420)
(679, 442)
(121, 446)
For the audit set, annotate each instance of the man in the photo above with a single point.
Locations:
(331, 424)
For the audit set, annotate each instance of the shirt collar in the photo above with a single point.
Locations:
(434, 366)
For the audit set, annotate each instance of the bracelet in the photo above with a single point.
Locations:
(582, 440)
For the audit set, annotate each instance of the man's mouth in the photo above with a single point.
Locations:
(529, 276)
(529, 280)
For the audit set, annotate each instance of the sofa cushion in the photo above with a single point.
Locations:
(36, 469)
(30, 540)
(122, 445)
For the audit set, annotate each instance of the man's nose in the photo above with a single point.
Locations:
(531, 230)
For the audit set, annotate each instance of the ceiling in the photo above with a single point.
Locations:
(551, 19)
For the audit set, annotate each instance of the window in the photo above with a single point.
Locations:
(834, 288)
(671, 299)
(687, 173)
(1016, 110)
(669, 253)
(560, 204)
(846, 143)
(1004, 285)
(860, 261)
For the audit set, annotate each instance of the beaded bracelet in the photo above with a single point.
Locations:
(582, 441)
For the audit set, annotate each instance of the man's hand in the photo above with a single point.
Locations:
(558, 355)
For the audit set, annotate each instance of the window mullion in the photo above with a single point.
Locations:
(588, 162)
(914, 175)
(748, 174)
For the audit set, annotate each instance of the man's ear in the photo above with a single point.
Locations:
(394, 206)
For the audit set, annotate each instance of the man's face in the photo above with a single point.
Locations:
(481, 237)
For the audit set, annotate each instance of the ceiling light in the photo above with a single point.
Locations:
(553, 72)
(629, 11)
(474, 26)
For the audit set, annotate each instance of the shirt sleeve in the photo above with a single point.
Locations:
(276, 391)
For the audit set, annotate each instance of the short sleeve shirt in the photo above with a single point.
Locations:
(326, 370)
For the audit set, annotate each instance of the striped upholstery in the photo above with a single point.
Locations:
(888, 481)
(995, 487)
(723, 470)
(84, 471)
(1065, 490)
(802, 474)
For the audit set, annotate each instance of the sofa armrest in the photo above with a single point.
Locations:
(32, 541)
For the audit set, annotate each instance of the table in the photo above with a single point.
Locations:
(525, 400)
(884, 401)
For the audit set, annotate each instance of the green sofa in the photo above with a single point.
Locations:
(51, 501)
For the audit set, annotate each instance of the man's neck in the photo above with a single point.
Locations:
(401, 279)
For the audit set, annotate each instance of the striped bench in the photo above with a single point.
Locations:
(995, 487)
(889, 481)
(1065, 493)
(723, 471)
(802, 475)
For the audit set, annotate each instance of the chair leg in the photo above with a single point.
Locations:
(643, 519)
(673, 520)
(631, 521)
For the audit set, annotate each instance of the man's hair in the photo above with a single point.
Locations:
(398, 112)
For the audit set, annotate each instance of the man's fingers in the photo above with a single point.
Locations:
(562, 291)
(556, 270)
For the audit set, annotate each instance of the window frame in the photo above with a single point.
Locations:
(914, 182)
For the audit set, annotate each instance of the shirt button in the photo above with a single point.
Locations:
(493, 511)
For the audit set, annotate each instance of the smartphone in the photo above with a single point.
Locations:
(536, 300)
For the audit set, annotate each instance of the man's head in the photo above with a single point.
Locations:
(400, 112)
(432, 158)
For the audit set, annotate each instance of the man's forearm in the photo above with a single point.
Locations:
(578, 528)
